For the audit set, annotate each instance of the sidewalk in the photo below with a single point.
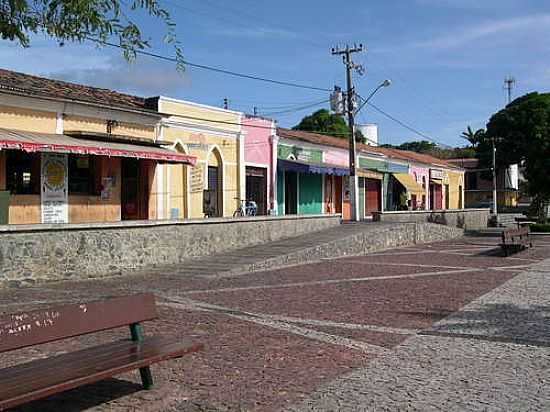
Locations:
(492, 355)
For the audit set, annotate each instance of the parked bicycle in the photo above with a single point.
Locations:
(246, 208)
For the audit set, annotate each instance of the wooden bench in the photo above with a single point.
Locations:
(43, 377)
(515, 240)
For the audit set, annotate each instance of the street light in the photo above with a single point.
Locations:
(385, 83)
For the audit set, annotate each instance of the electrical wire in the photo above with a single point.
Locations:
(405, 125)
(216, 69)
(298, 109)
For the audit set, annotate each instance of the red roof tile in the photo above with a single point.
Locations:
(39, 86)
(339, 142)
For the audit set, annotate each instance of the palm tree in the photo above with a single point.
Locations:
(475, 138)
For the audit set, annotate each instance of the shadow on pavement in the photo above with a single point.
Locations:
(506, 323)
(85, 397)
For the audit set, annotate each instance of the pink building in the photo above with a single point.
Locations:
(422, 177)
(260, 157)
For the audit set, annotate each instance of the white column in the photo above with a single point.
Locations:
(160, 191)
(59, 127)
(274, 140)
(242, 166)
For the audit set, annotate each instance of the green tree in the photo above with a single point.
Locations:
(475, 138)
(98, 21)
(426, 147)
(521, 132)
(324, 122)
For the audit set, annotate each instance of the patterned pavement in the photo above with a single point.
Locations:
(445, 326)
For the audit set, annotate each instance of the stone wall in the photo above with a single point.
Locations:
(468, 219)
(36, 253)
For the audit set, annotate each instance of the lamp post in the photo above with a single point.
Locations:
(354, 181)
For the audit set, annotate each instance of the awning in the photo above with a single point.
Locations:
(59, 143)
(410, 184)
(319, 168)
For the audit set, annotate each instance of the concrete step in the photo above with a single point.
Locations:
(344, 240)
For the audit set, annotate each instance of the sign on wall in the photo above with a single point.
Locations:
(197, 178)
(54, 188)
(437, 174)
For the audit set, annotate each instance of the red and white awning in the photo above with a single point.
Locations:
(59, 143)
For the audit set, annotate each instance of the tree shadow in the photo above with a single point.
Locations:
(82, 398)
(498, 322)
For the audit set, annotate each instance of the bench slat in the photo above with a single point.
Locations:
(43, 377)
(41, 326)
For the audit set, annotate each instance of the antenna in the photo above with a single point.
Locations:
(509, 83)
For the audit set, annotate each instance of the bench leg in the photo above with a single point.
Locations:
(136, 330)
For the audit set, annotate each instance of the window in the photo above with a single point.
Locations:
(22, 172)
(83, 175)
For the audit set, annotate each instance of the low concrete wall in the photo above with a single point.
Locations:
(468, 219)
(36, 253)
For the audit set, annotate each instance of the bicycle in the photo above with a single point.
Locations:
(246, 208)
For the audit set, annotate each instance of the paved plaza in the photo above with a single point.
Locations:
(444, 326)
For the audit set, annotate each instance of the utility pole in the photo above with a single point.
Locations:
(495, 205)
(509, 83)
(255, 111)
(350, 95)
(225, 103)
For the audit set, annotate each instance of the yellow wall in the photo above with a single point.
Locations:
(202, 145)
(27, 120)
(80, 123)
(456, 184)
(26, 209)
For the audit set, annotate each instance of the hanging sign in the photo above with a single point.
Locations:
(54, 188)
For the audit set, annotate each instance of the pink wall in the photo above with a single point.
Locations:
(419, 173)
(336, 157)
(258, 149)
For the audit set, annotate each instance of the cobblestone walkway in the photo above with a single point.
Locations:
(492, 355)
(444, 326)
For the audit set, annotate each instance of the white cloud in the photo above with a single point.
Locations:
(489, 28)
(145, 77)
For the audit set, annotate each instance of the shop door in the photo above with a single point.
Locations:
(256, 187)
(436, 197)
(373, 196)
(132, 196)
(212, 196)
(346, 206)
(291, 193)
(338, 194)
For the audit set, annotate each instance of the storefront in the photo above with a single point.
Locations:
(260, 155)
(214, 136)
(303, 185)
(437, 177)
(87, 177)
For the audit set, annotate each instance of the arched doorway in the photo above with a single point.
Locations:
(213, 195)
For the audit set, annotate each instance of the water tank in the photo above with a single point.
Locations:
(370, 132)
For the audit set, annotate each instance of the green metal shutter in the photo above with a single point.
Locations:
(310, 197)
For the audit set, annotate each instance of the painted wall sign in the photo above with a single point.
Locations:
(197, 178)
(437, 174)
(54, 188)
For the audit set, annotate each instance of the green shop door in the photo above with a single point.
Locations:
(361, 199)
(291, 193)
(310, 194)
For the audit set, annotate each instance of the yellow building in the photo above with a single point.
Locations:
(454, 197)
(73, 154)
(215, 184)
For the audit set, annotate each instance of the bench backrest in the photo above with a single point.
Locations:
(509, 234)
(24, 329)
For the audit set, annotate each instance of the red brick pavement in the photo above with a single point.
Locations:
(251, 366)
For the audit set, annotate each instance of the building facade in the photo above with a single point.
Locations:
(75, 154)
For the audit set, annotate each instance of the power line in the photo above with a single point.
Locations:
(406, 126)
(298, 109)
(216, 69)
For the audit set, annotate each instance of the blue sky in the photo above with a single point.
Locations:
(446, 58)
